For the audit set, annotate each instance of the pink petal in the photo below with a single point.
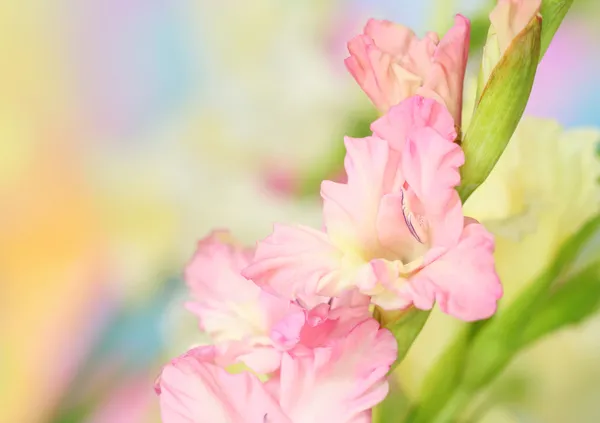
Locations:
(351, 299)
(393, 232)
(358, 62)
(391, 293)
(391, 64)
(326, 325)
(364, 64)
(234, 311)
(445, 79)
(419, 57)
(350, 210)
(296, 262)
(431, 166)
(226, 303)
(286, 333)
(463, 281)
(379, 74)
(261, 359)
(303, 330)
(194, 390)
(391, 38)
(422, 131)
(339, 383)
(214, 271)
(413, 113)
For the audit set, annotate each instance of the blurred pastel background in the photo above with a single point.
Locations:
(130, 128)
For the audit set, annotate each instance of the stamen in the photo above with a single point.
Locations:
(301, 303)
(408, 218)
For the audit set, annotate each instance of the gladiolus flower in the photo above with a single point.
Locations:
(338, 383)
(250, 325)
(395, 230)
(391, 64)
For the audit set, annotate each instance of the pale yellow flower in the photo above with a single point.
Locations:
(543, 188)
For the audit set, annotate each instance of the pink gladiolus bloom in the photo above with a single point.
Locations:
(339, 383)
(395, 230)
(391, 63)
(252, 326)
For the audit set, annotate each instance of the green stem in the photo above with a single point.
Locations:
(457, 403)
(405, 327)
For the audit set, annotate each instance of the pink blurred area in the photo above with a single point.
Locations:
(129, 129)
(564, 87)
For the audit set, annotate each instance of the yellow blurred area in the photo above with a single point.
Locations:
(50, 247)
(50, 253)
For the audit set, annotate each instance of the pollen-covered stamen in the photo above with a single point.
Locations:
(409, 217)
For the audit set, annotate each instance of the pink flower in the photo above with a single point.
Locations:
(391, 64)
(395, 230)
(338, 383)
(250, 325)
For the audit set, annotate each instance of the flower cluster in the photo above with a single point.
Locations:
(294, 314)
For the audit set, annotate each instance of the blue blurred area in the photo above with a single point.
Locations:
(129, 346)
(137, 66)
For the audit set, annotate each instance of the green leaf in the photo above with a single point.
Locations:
(571, 303)
(553, 13)
(514, 390)
(498, 342)
(500, 107)
(404, 325)
(442, 380)
(393, 407)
